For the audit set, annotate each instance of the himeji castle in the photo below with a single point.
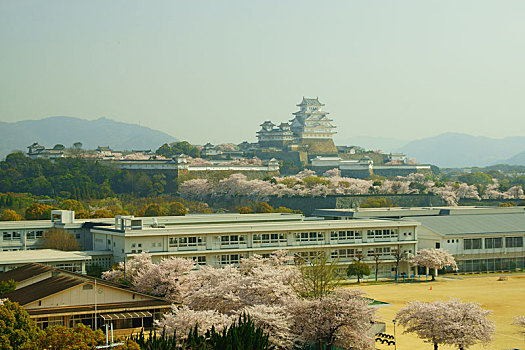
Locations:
(311, 128)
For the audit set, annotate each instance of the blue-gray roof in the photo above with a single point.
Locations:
(474, 224)
(310, 102)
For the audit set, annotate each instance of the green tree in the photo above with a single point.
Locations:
(80, 337)
(10, 215)
(319, 276)
(154, 210)
(245, 210)
(263, 207)
(37, 211)
(58, 238)
(102, 213)
(17, 330)
(177, 209)
(359, 269)
(7, 286)
(72, 204)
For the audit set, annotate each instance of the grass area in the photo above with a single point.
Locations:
(505, 298)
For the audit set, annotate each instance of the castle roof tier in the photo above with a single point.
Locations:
(310, 102)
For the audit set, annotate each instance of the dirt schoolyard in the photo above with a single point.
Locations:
(505, 298)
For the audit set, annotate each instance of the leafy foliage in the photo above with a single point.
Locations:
(17, 331)
(358, 269)
(7, 286)
(58, 238)
(80, 337)
(177, 148)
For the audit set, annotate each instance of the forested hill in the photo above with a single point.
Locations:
(68, 130)
(77, 179)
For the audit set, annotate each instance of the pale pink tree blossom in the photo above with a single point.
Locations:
(305, 173)
(447, 322)
(276, 321)
(182, 320)
(520, 321)
(341, 318)
(196, 189)
(434, 259)
(335, 172)
(515, 192)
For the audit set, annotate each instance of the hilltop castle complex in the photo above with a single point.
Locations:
(311, 129)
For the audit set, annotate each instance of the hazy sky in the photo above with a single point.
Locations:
(214, 70)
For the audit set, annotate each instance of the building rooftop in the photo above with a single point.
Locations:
(310, 102)
(40, 256)
(474, 224)
(42, 289)
(246, 227)
(25, 272)
(399, 212)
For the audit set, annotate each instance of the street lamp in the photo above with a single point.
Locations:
(395, 340)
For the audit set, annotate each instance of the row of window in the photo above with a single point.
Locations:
(183, 242)
(262, 238)
(384, 233)
(16, 235)
(267, 238)
(493, 242)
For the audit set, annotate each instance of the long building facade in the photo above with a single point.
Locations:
(228, 238)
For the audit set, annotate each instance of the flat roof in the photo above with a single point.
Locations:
(398, 212)
(161, 220)
(511, 223)
(242, 227)
(40, 256)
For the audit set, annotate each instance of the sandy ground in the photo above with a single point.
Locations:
(505, 298)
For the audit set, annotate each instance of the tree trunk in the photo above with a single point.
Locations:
(358, 279)
(433, 277)
(436, 346)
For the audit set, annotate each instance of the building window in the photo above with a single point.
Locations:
(513, 242)
(87, 287)
(233, 240)
(308, 255)
(472, 243)
(382, 251)
(227, 259)
(349, 253)
(345, 235)
(309, 237)
(183, 242)
(199, 260)
(382, 234)
(269, 238)
(493, 243)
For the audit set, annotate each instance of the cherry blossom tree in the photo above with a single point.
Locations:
(335, 172)
(182, 320)
(515, 192)
(162, 279)
(196, 189)
(434, 259)
(447, 322)
(520, 321)
(276, 321)
(340, 318)
(467, 191)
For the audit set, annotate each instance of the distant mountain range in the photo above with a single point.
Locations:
(450, 150)
(68, 130)
(454, 150)
(385, 144)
